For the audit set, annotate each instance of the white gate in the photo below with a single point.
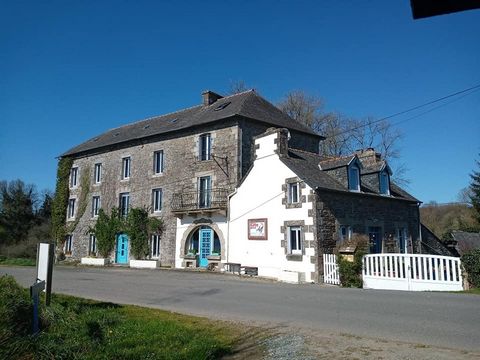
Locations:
(330, 269)
(413, 272)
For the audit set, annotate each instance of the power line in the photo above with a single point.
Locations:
(467, 91)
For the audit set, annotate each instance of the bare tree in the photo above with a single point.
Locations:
(344, 135)
(237, 86)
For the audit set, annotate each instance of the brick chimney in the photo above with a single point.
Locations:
(209, 97)
(368, 156)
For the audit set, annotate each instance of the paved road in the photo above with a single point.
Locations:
(439, 319)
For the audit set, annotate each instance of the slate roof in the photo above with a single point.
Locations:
(333, 163)
(306, 166)
(247, 104)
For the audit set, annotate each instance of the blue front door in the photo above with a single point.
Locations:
(205, 242)
(122, 249)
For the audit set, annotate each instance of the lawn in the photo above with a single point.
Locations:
(76, 328)
(17, 261)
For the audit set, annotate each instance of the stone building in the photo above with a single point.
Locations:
(182, 166)
(237, 181)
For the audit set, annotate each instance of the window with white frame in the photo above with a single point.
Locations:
(97, 173)
(71, 208)
(74, 177)
(293, 193)
(158, 162)
(205, 147)
(384, 180)
(157, 195)
(92, 245)
(95, 205)
(294, 240)
(126, 164)
(67, 248)
(344, 233)
(124, 204)
(155, 246)
(353, 177)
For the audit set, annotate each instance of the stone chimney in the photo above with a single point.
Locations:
(272, 141)
(209, 97)
(368, 156)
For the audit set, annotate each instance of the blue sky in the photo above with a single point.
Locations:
(72, 69)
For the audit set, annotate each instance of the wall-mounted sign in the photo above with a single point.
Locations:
(257, 229)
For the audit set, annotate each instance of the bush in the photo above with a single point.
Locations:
(351, 271)
(471, 264)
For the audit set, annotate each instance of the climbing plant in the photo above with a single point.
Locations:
(106, 229)
(60, 201)
(82, 200)
(138, 227)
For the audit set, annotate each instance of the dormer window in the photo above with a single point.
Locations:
(354, 177)
(384, 181)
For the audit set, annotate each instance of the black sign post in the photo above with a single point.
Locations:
(35, 291)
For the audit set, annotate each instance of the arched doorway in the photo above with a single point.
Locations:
(205, 242)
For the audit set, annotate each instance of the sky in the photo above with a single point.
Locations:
(70, 70)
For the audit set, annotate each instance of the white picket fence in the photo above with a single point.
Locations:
(413, 272)
(330, 269)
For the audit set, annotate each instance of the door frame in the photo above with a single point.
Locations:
(126, 250)
(204, 260)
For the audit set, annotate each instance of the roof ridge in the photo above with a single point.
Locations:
(232, 95)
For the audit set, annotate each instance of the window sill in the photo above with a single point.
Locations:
(294, 257)
(158, 175)
(71, 219)
(97, 184)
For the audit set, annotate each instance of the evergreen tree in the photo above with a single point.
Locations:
(475, 191)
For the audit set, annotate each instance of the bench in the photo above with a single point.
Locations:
(249, 270)
(232, 267)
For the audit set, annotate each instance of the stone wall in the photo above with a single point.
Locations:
(361, 211)
(181, 169)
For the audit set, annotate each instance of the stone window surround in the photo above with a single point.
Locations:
(75, 168)
(100, 163)
(284, 242)
(196, 148)
(123, 157)
(72, 218)
(197, 224)
(302, 199)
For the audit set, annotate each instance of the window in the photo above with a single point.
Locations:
(294, 240)
(353, 178)
(124, 204)
(126, 167)
(157, 200)
(73, 177)
(293, 193)
(95, 205)
(97, 174)
(345, 233)
(204, 191)
(71, 208)
(205, 144)
(384, 180)
(155, 246)
(67, 248)
(402, 235)
(158, 162)
(92, 245)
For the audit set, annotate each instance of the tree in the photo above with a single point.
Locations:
(344, 135)
(237, 86)
(106, 229)
(17, 203)
(475, 192)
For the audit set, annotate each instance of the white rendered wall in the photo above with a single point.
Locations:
(260, 196)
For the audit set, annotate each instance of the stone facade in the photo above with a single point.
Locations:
(233, 151)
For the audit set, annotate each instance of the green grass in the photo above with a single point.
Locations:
(17, 261)
(475, 291)
(76, 328)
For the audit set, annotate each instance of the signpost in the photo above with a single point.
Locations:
(45, 253)
(35, 291)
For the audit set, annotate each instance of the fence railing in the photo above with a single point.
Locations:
(412, 272)
(330, 269)
(200, 200)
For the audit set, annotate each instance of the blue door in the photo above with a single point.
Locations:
(122, 249)
(205, 242)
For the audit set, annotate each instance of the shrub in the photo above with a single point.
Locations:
(471, 264)
(351, 271)
(106, 229)
(15, 307)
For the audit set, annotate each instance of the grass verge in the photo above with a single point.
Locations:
(17, 261)
(76, 328)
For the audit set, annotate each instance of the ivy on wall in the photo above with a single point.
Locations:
(106, 229)
(60, 201)
(138, 227)
(82, 200)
